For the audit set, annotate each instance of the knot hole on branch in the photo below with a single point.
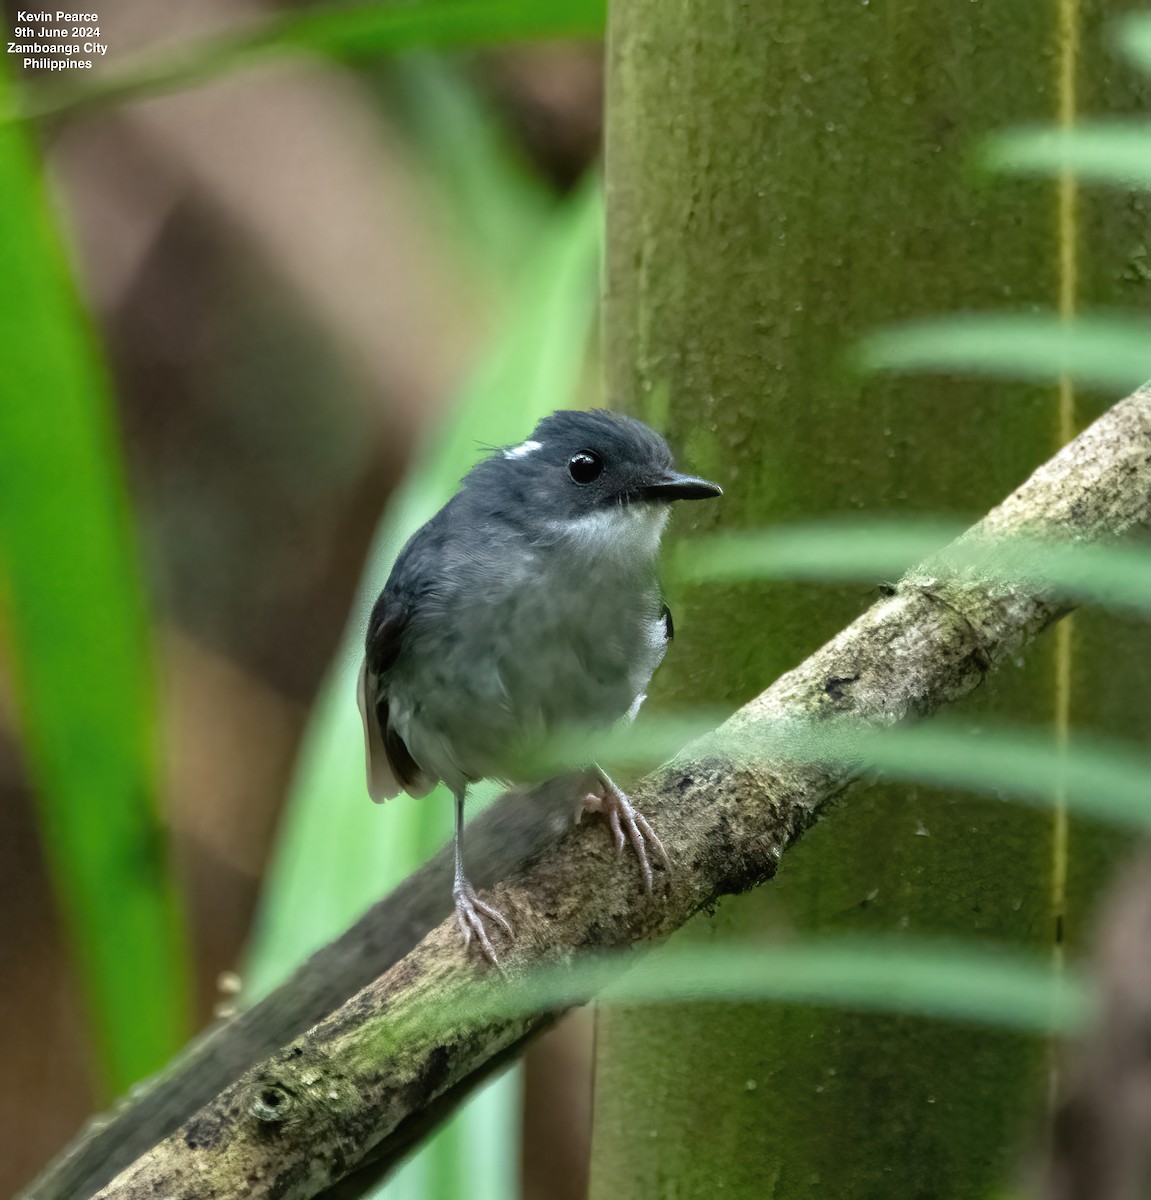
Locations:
(271, 1104)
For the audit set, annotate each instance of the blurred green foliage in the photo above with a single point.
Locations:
(1114, 153)
(1109, 352)
(77, 631)
(951, 981)
(1133, 36)
(1114, 576)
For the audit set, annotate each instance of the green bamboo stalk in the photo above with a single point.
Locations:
(780, 182)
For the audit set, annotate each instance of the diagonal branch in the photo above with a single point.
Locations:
(352, 1094)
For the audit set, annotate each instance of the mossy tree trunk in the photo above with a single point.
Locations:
(782, 179)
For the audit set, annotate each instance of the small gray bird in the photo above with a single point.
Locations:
(528, 604)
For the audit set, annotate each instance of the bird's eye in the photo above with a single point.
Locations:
(585, 466)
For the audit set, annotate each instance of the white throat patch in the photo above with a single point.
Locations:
(625, 531)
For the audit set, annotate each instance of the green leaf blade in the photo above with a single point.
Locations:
(79, 640)
(1103, 152)
(824, 550)
(942, 979)
(1133, 35)
(1112, 352)
(1112, 576)
(951, 982)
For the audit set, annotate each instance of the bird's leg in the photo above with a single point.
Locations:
(470, 909)
(628, 825)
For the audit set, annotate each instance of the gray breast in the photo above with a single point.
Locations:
(567, 632)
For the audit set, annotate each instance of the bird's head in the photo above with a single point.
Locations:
(577, 464)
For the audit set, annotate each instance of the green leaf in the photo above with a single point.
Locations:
(828, 550)
(992, 985)
(1113, 352)
(1133, 34)
(359, 29)
(985, 984)
(1104, 780)
(1111, 576)
(1103, 152)
(79, 638)
(495, 204)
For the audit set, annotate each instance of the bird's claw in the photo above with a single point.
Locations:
(628, 826)
(470, 914)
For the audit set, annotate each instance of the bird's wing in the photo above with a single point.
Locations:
(390, 765)
(382, 781)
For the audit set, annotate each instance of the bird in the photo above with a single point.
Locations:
(528, 605)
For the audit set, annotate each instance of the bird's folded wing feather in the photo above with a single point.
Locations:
(382, 781)
(390, 765)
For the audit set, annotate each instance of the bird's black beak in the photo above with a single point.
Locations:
(673, 486)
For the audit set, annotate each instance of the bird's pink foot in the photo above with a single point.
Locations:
(628, 826)
(470, 914)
